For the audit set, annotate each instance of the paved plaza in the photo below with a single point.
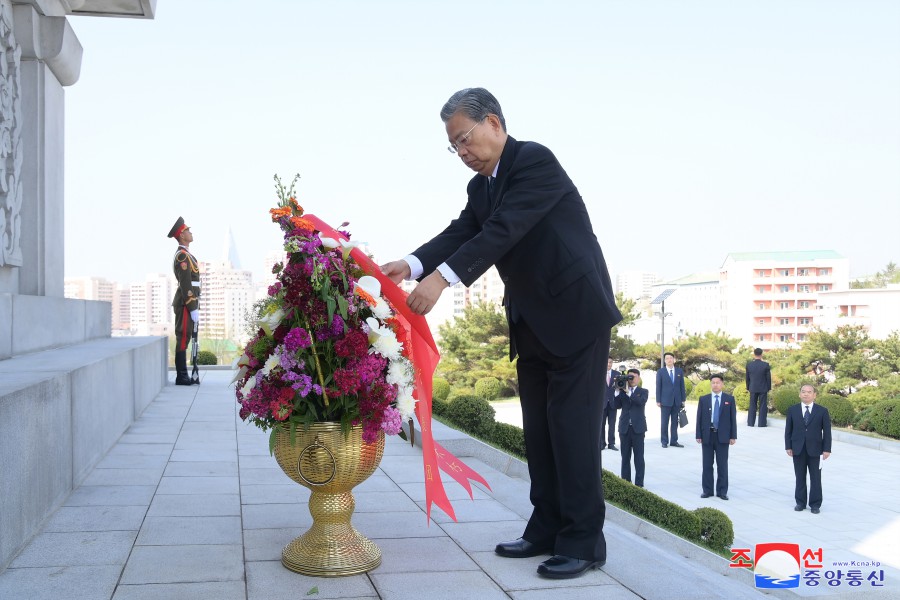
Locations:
(189, 504)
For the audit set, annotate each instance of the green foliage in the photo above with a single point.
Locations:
(621, 348)
(439, 407)
(716, 529)
(882, 417)
(741, 397)
(785, 396)
(840, 409)
(509, 438)
(440, 388)
(881, 279)
(488, 388)
(865, 397)
(888, 351)
(472, 413)
(476, 345)
(701, 389)
(205, 357)
(688, 387)
(890, 385)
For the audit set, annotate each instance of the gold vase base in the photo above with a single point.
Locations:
(315, 555)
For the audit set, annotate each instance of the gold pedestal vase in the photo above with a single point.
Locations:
(330, 464)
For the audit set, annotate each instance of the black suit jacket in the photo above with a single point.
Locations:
(727, 419)
(611, 390)
(759, 376)
(633, 410)
(668, 393)
(816, 436)
(535, 228)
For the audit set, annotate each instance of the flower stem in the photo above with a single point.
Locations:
(316, 357)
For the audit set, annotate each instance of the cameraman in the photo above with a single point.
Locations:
(632, 399)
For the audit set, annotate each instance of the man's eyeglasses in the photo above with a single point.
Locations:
(463, 140)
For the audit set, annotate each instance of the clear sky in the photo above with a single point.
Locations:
(692, 129)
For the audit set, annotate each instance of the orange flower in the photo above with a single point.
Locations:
(297, 208)
(365, 296)
(301, 223)
(280, 212)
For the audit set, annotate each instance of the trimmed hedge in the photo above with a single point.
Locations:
(688, 387)
(785, 396)
(841, 411)
(439, 407)
(488, 388)
(440, 388)
(701, 389)
(205, 357)
(865, 397)
(882, 417)
(741, 397)
(716, 529)
(472, 413)
(509, 438)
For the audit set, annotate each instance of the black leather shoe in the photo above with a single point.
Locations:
(603, 447)
(565, 567)
(705, 495)
(723, 496)
(665, 445)
(814, 511)
(182, 380)
(676, 445)
(798, 508)
(612, 447)
(521, 549)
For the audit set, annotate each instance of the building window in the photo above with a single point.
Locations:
(785, 305)
(784, 288)
(804, 304)
(803, 272)
(762, 306)
(805, 320)
(784, 321)
(761, 322)
(760, 338)
(824, 287)
(801, 337)
(824, 272)
(803, 288)
(784, 272)
(784, 338)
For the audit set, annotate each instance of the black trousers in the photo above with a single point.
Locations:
(608, 422)
(718, 452)
(632, 442)
(761, 399)
(804, 463)
(561, 420)
(668, 431)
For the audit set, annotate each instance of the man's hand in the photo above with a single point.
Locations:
(825, 455)
(699, 441)
(790, 452)
(658, 404)
(731, 442)
(396, 271)
(426, 294)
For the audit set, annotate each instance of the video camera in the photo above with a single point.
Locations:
(623, 378)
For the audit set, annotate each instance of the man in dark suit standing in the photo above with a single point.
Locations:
(716, 431)
(807, 436)
(525, 215)
(608, 419)
(670, 397)
(759, 382)
(632, 426)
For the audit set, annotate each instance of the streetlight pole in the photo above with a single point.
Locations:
(661, 300)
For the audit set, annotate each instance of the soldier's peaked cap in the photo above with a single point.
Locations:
(178, 228)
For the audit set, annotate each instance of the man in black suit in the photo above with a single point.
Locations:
(525, 215)
(670, 397)
(716, 431)
(807, 436)
(759, 382)
(608, 419)
(632, 426)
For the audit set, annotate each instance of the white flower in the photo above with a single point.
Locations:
(382, 309)
(399, 372)
(406, 404)
(271, 362)
(251, 383)
(387, 345)
(347, 246)
(271, 321)
(329, 242)
(370, 285)
(240, 374)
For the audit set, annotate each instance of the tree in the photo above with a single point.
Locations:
(476, 345)
(881, 279)
(621, 348)
(704, 354)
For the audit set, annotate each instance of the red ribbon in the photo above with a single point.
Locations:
(423, 353)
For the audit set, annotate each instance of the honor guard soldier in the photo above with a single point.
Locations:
(187, 297)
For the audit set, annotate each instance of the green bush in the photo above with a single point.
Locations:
(840, 409)
(473, 414)
(716, 529)
(440, 388)
(785, 396)
(205, 357)
(509, 438)
(865, 397)
(882, 417)
(890, 385)
(439, 407)
(488, 388)
(741, 397)
(701, 389)
(648, 505)
(688, 387)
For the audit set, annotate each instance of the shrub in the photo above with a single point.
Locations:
(651, 507)
(883, 417)
(842, 412)
(890, 385)
(785, 396)
(741, 397)
(865, 397)
(488, 388)
(439, 407)
(205, 357)
(701, 389)
(473, 414)
(509, 438)
(440, 388)
(688, 387)
(716, 529)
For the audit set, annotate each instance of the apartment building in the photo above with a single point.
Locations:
(636, 285)
(878, 310)
(771, 299)
(227, 294)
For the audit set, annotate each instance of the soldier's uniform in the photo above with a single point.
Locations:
(187, 299)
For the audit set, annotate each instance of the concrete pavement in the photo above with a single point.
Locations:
(189, 504)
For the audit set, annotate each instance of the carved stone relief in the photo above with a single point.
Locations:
(11, 154)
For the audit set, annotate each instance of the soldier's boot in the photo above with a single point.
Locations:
(181, 373)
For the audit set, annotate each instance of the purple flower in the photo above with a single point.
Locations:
(274, 288)
(296, 339)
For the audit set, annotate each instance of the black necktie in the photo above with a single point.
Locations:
(490, 186)
(807, 416)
